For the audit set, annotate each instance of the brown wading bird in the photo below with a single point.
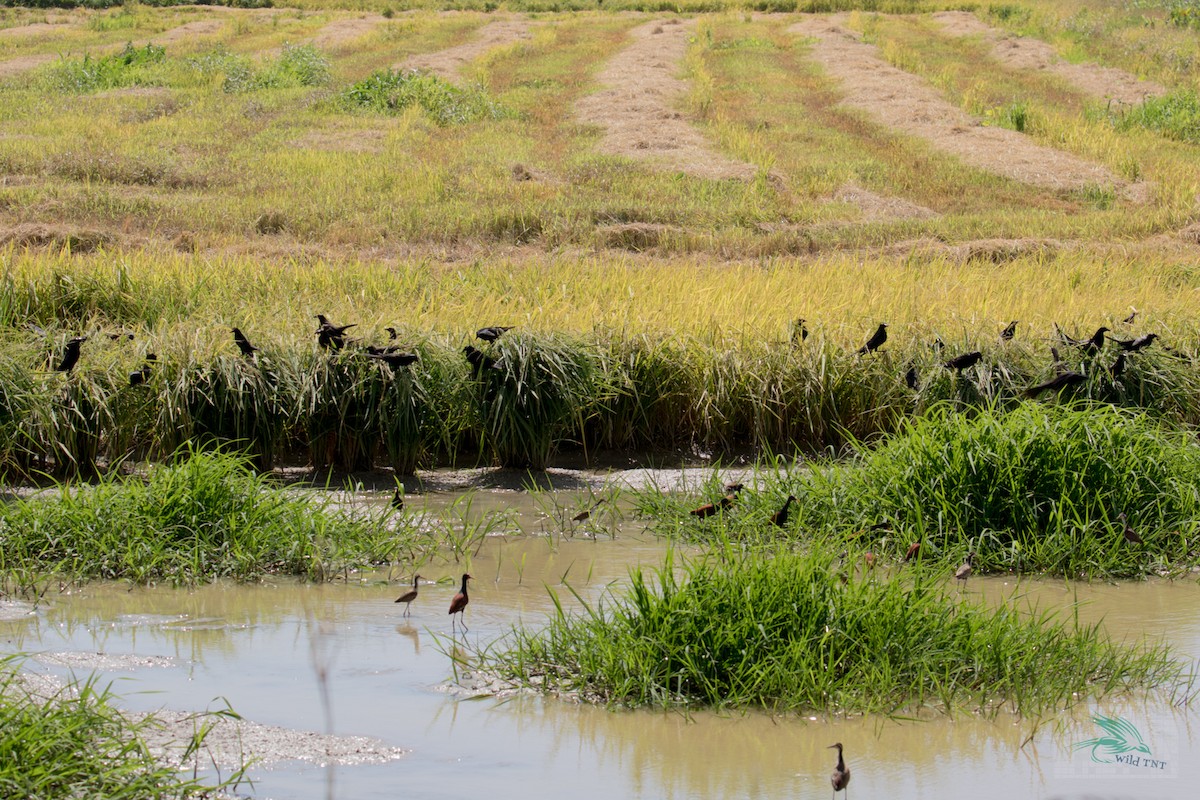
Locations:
(876, 341)
(841, 773)
(583, 515)
(459, 603)
(780, 517)
(965, 361)
(243, 343)
(1130, 534)
(492, 332)
(964, 571)
(410, 595)
(70, 354)
(1007, 334)
(913, 549)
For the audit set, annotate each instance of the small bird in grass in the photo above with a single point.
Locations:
(1132, 316)
(333, 337)
(70, 355)
(1096, 343)
(912, 379)
(121, 337)
(1009, 331)
(391, 332)
(1118, 367)
(938, 344)
(799, 332)
(140, 376)
(492, 332)
(913, 549)
(965, 569)
(479, 360)
(841, 773)
(410, 595)
(459, 603)
(243, 343)
(1129, 533)
(965, 361)
(1134, 345)
(396, 360)
(876, 341)
(1057, 382)
(779, 518)
(734, 488)
(397, 500)
(584, 515)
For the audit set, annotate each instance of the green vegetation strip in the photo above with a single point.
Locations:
(76, 744)
(1033, 489)
(783, 632)
(208, 516)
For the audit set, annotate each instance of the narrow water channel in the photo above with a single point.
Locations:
(261, 648)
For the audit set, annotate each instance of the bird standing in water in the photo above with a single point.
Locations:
(964, 571)
(841, 773)
(459, 603)
(409, 596)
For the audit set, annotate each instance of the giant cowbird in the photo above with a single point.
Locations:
(876, 341)
(912, 378)
(1007, 334)
(396, 360)
(139, 377)
(332, 337)
(492, 332)
(479, 360)
(391, 332)
(1093, 345)
(1134, 345)
(70, 355)
(243, 343)
(965, 361)
(1057, 382)
(1118, 367)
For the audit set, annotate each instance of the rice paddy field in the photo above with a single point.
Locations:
(691, 221)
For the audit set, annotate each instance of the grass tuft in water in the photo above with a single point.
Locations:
(783, 632)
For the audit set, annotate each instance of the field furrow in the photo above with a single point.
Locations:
(449, 63)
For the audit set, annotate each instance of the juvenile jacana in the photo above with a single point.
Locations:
(410, 595)
(913, 549)
(964, 570)
(1130, 534)
(841, 773)
(459, 603)
(583, 515)
(780, 517)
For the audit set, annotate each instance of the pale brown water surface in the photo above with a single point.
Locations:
(261, 648)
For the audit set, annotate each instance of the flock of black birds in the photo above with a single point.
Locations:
(329, 337)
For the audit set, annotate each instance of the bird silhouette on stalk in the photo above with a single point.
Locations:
(479, 360)
(139, 376)
(70, 356)
(332, 337)
(1134, 345)
(243, 343)
(1057, 383)
(965, 361)
(1093, 345)
(799, 331)
(492, 332)
(876, 341)
(1009, 331)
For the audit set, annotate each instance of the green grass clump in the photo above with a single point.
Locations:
(207, 516)
(1175, 116)
(76, 744)
(130, 67)
(298, 65)
(391, 92)
(783, 632)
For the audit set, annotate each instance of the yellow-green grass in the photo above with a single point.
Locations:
(191, 158)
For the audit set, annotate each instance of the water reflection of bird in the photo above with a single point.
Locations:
(408, 631)
(841, 773)
(459, 603)
(408, 597)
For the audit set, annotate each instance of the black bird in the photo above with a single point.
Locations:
(1007, 334)
(841, 773)
(1134, 345)
(70, 354)
(243, 343)
(780, 517)
(1094, 344)
(876, 341)
(139, 377)
(1118, 367)
(391, 332)
(734, 488)
(799, 332)
(1057, 382)
(938, 344)
(492, 332)
(323, 322)
(397, 503)
(965, 361)
(408, 597)
(912, 379)
(333, 337)
(479, 360)
(118, 337)
(396, 360)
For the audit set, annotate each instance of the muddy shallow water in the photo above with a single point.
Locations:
(390, 679)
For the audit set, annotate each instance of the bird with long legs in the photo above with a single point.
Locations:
(841, 772)
(965, 569)
(779, 518)
(408, 597)
(459, 603)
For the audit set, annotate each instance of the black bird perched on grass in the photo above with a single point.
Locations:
(876, 341)
(1134, 345)
(965, 361)
(799, 332)
(243, 343)
(396, 360)
(1118, 367)
(841, 773)
(70, 355)
(139, 377)
(1057, 382)
(912, 379)
(780, 517)
(333, 337)
(1009, 332)
(479, 360)
(1094, 344)
(391, 332)
(121, 337)
(492, 332)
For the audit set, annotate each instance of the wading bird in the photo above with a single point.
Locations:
(243, 343)
(965, 361)
(410, 595)
(492, 332)
(876, 341)
(780, 517)
(1129, 533)
(965, 569)
(841, 773)
(459, 603)
(1057, 382)
(584, 515)
(70, 355)
(913, 549)
(1009, 331)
